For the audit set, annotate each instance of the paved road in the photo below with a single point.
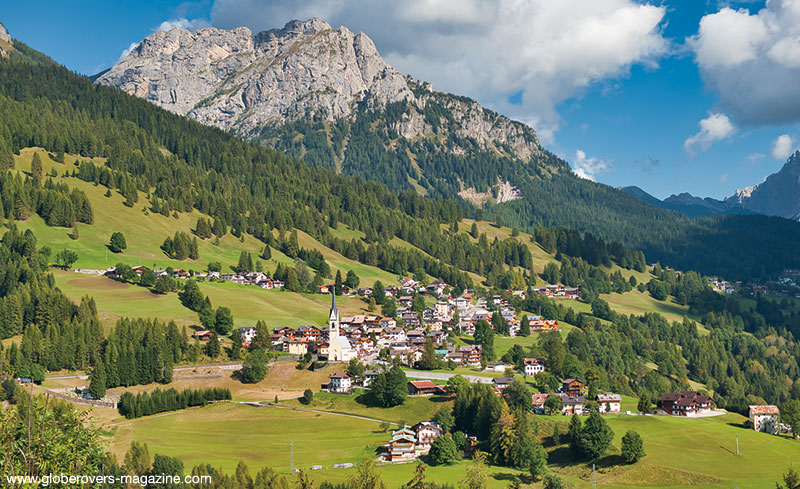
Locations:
(417, 374)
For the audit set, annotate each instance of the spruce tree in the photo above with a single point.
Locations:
(337, 285)
(97, 380)
(36, 166)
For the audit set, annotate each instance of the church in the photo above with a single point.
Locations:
(339, 349)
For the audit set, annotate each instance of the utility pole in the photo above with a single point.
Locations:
(737, 444)
(594, 478)
(292, 450)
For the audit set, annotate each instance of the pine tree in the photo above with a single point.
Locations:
(97, 381)
(337, 287)
(36, 166)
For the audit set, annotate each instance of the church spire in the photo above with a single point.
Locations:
(334, 311)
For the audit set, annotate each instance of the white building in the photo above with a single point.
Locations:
(533, 366)
(339, 348)
(340, 382)
(765, 419)
(609, 403)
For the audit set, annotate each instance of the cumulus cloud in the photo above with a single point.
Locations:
(587, 168)
(752, 60)
(183, 23)
(782, 147)
(713, 128)
(549, 51)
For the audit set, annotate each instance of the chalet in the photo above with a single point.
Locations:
(436, 288)
(609, 403)
(395, 334)
(537, 402)
(388, 323)
(502, 382)
(765, 419)
(572, 293)
(408, 282)
(402, 446)
(572, 404)
(365, 291)
(470, 354)
(405, 300)
(427, 432)
(533, 366)
(411, 319)
(423, 388)
(139, 270)
(537, 323)
(324, 289)
(204, 335)
(247, 333)
(283, 331)
(571, 386)
(686, 403)
(339, 382)
(310, 333)
(370, 375)
(297, 346)
(461, 303)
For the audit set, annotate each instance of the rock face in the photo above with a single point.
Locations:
(778, 195)
(247, 83)
(5, 41)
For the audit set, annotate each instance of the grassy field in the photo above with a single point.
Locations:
(249, 304)
(681, 452)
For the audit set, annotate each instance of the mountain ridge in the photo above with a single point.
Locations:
(778, 195)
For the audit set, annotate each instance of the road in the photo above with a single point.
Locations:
(417, 374)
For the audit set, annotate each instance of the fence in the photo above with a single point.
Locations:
(79, 400)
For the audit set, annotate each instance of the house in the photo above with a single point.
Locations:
(297, 346)
(204, 335)
(572, 404)
(571, 386)
(537, 323)
(395, 334)
(310, 333)
(402, 446)
(388, 323)
(369, 376)
(339, 382)
(765, 419)
(502, 382)
(470, 354)
(423, 388)
(609, 403)
(537, 402)
(247, 333)
(686, 403)
(427, 432)
(533, 366)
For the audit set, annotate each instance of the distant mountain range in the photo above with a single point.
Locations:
(778, 195)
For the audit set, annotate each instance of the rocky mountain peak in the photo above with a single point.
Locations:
(5, 41)
(778, 195)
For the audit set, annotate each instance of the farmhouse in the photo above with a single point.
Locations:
(572, 404)
(533, 366)
(501, 382)
(537, 402)
(686, 403)
(369, 376)
(571, 386)
(204, 335)
(402, 446)
(609, 403)
(765, 419)
(247, 333)
(427, 432)
(423, 388)
(339, 382)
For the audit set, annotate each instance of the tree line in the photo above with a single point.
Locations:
(158, 401)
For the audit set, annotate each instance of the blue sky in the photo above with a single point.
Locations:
(622, 98)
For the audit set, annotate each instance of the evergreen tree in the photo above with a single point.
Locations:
(632, 447)
(36, 166)
(254, 367)
(352, 280)
(97, 380)
(223, 321)
(337, 284)
(262, 340)
(484, 336)
(595, 437)
(212, 347)
(236, 345)
(443, 451)
(524, 327)
(428, 361)
(245, 262)
(117, 243)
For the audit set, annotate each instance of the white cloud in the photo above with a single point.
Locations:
(127, 51)
(782, 147)
(752, 60)
(586, 167)
(755, 157)
(715, 127)
(550, 51)
(183, 23)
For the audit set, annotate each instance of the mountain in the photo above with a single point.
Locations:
(778, 195)
(325, 96)
(251, 84)
(688, 204)
(6, 44)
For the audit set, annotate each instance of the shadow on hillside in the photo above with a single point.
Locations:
(610, 461)
(561, 457)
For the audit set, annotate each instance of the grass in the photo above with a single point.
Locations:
(413, 410)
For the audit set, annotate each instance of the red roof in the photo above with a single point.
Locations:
(422, 384)
(764, 410)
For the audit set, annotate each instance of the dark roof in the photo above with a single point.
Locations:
(503, 380)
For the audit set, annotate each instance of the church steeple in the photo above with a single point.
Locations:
(334, 311)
